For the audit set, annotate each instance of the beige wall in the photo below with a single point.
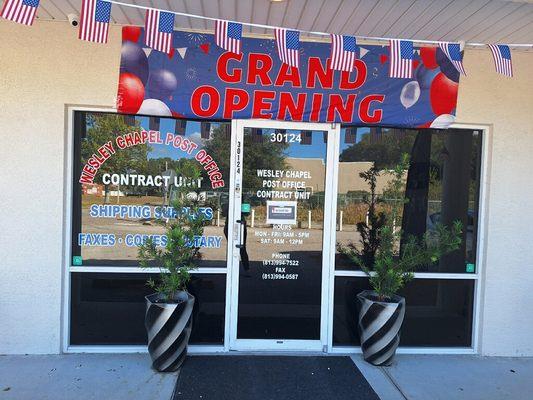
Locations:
(507, 105)
(42, 68)
(349, 179)
(315, 167)
(45, 67)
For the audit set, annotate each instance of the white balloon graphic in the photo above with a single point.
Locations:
(410, 94)
(443, 121)
(154, 107)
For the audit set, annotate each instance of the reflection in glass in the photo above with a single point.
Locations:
(442, 185)
(109, 308)
(438, 312)
(129, 198)
(282, 224)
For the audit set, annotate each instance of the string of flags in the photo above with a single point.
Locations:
(228, 35)
(453, 52)
(502, 59)
(159, 25)
(343, 49)
(288, 44)
(401, 55)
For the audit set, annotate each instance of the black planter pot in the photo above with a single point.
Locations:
(169, 327)
(379, 327)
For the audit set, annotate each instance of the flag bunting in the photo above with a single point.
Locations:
(342, 52)
(20, 11)
(228, 35)
(502, 59)
(94, 20)
(159, 26)
(288, 43)
(453, 52)
(401, 59)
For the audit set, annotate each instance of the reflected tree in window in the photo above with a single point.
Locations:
(260, 153)
(104, 128)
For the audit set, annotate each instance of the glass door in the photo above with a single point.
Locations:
(280, 268)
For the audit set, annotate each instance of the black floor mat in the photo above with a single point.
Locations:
(271, 378)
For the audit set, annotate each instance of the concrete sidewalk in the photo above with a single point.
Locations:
(451, 377)
(83, 377)
(129, 376)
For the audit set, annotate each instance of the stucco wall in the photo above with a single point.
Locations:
(506, 104)
(44, 67)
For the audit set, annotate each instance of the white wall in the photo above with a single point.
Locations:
(506, 104)
(42, 68)
(45, 67)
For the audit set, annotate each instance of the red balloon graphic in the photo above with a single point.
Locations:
(131, 33)
(383, 59)
(130, 93)
(429, 57)
(443, 94)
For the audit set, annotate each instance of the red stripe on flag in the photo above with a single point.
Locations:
(16, 11)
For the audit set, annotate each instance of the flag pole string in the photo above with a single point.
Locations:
(317, 33)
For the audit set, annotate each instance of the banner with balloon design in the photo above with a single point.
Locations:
(198, 79)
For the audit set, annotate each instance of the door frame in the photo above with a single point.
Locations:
(330, 202)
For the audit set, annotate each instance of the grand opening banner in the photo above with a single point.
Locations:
(200, 80)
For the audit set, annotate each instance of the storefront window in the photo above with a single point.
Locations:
(442, 186)
(108, 308)
(124, 182)
(438, 312)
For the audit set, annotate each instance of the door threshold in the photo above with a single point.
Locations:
(267, 353)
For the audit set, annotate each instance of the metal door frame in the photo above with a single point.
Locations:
(237, 148)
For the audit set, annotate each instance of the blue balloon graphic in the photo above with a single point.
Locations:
(134, 61)
(425, 76)
(446, 66)
(161, 84)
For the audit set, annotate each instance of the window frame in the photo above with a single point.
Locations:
(68, 269)
(486, 145)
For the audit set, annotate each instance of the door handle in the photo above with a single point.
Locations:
(241, 222)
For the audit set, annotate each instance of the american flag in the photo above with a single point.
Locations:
(342, 52)
(21, 11)
(288, 43)
(94, 20)
(401, 58)
(205, 130)
(502, 59)
(307, 137)
(158, 30)
(228, 35)
(350, 136)
(453, 52)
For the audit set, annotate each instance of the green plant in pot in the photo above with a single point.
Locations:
(389, 258)
(168, 318)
